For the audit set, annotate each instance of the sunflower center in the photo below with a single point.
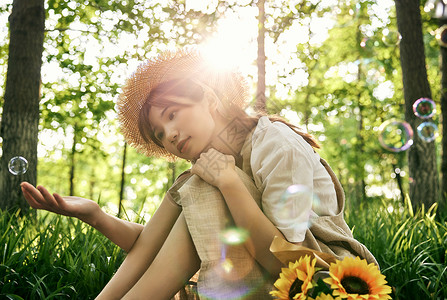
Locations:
(295, 288)
(355, 285)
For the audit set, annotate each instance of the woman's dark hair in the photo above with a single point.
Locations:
(310, 139)
(161, 96)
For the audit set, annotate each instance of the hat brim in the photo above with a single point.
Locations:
(229, 85)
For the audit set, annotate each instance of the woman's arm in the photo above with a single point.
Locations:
(144, 252)
(121, 232)
(247, 214)
(243, 208)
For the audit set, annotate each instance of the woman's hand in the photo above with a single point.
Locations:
(215, 168)
(40, 198)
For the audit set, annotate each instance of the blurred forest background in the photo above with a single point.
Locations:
(331, 67)
(339, 69)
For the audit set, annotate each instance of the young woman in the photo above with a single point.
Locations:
(221, 216)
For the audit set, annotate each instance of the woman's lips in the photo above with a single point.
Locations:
(181, 147)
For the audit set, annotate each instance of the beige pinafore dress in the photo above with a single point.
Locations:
(227, 270)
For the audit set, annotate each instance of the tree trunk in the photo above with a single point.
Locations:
(424, 187)
(72, 164)
(399, 183)
(20, 120)
(360, 144)
(123, 180)
(260, 105)
(444, 121)
(92, 184)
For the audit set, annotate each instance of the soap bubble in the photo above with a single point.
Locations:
(18, 165)
(300, 194)
(224, 288)
(368, 43)
(396, 136)
(234, 236)
(391, 37)
(424, 108)
(427, 131)
(441, 36)
(228, 279)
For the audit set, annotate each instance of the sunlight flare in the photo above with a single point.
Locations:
(234, 44)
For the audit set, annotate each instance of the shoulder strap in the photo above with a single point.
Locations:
(337, 185)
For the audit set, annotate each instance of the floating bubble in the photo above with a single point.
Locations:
(230, 279)
(391, 37)
(424, 108)
(223, 290)
(395, 136)
(234, 236)
(18, 165)
(427, 131)
(441, 35)
(295, 196)
(369, 43)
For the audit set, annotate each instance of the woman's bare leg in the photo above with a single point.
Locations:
(174, 265)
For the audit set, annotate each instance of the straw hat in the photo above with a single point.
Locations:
(230, 86)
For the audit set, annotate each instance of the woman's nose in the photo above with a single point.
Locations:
(172, 135)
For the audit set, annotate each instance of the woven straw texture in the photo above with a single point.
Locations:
(230, 87)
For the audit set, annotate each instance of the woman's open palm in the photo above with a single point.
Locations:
(40, 198)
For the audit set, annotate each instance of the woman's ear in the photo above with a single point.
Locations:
(212, 99)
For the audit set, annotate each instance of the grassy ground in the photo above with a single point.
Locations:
(57, 258)
(410, 246)
(61, 258)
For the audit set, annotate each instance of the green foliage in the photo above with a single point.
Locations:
(338, 100)
(57, 258)
(352, 84)
(410, 246)
(87, 62)
(60, 257)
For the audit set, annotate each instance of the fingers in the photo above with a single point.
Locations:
(47, 197)
(32, 195)
(59, 200)
(31, 201)
(32, 191)
(39, 197)
(213, 159)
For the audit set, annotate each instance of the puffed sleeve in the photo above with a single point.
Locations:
(173, 193)
(281, 159)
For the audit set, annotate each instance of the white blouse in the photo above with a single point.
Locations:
(280, 159)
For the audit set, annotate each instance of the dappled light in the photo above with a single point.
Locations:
(365, 80)
(233, 45)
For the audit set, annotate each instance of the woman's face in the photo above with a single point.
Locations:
(185, 129)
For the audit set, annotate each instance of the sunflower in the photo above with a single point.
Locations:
(324, 296)
(295, 281)
(353, 278)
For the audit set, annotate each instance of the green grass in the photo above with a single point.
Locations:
(410, 246)
(54, 258)
(62, 258)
